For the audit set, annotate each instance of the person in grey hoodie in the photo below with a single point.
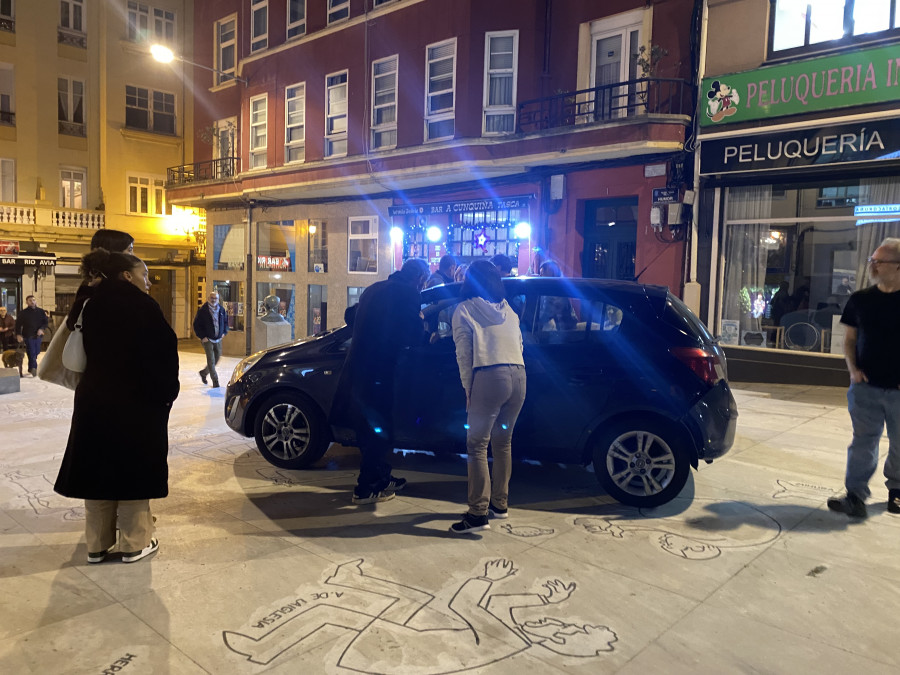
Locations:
(489, 354)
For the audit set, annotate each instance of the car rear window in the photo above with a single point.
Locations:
(679, 315)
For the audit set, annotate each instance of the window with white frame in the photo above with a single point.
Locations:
(336, 114)
(163, 25)
(259, 24)
(362, 245)
(70, 105)
(258, 132)
(384, 103)
(138, 21)
(71, 188)
(295, 123)
(805, 26)
(226, 32)
(338, 10)
(440, 90)
(146, 196)
(161, 28)
(615, 49)
(7, 94)
(149, 110)
(7, 180)
(296, 18)
(71, 15)
(501, 52)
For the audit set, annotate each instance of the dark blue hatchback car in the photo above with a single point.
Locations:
(620, 374)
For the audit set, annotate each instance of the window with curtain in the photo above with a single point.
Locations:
(384, 103)
(440, 90)
(500, 59)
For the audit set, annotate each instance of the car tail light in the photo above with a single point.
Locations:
(705, 365)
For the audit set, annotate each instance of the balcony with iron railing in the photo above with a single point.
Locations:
(8, 118)
(606, 103)
(207, 171)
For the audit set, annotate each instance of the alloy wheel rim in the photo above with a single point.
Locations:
(640, 463)
(285, 431)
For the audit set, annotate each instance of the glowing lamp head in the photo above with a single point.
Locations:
(523, 230)
(162, 53)
(433, 233)
(396, 235)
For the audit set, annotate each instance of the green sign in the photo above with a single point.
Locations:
(839, 81)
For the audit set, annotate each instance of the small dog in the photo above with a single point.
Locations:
(14, 358)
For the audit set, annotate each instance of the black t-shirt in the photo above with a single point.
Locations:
(876, 317)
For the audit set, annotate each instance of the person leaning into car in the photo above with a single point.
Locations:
(386, 321)
(489, 355)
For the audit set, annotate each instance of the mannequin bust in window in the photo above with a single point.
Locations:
(271, 303)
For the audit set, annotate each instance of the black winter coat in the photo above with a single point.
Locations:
(118, 443)
(386, 322)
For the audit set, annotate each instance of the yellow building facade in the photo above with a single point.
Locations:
(89, 123)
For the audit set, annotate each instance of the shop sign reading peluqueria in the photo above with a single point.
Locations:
(819, 146)
(863, 77)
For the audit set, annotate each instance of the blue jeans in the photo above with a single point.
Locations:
(871, 408)
(33, 348)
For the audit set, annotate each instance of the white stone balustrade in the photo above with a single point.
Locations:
(16, 214)
(89, 220)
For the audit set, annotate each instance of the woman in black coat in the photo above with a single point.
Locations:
(116, 457)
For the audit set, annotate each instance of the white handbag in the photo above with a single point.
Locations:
(73, 356)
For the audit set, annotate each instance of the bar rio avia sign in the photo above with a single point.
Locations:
(839, 144)
(854, 78)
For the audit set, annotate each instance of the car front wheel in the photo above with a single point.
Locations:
(641, 463)
(291, 431)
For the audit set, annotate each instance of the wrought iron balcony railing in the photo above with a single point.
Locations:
(198, 172)
(605, 103)
(8, 118)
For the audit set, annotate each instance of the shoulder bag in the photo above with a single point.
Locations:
(73, 356)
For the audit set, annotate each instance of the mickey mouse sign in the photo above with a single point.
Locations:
(723, 101)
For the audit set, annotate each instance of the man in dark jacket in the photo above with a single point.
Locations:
(30, 326)
(444, 275)
(387, 321)
(210, 325)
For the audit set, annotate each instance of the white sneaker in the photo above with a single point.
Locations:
(134, 557)
(99, 557)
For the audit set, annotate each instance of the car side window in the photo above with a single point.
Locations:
(439, 319)
(564, 319)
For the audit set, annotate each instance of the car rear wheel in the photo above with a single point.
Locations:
(641, 463)
(291, 431)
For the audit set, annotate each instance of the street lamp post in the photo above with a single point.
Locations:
(165, 55)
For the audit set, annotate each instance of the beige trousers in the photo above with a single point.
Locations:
(134, 520)
(495, 401)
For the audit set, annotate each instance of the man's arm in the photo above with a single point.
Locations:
(850, 337)
(198, 325)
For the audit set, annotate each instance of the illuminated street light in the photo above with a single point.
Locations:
(163, 54)
(433, 233)
(523, 230)
(396, 235)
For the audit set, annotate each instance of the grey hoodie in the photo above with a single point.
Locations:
(485, 334)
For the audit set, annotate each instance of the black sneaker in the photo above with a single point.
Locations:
(373, 497)
(850, 504)
(497, 512)
(395, 484)
(470, 523)
(138, 555)
(893, 501)
(203, 377)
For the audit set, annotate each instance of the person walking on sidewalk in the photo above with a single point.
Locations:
(210, 325)
(116, 455)
(387, 321)
(872, 320)
(30, 326)
(489, 355)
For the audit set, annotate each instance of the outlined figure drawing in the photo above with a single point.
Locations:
(482, 627)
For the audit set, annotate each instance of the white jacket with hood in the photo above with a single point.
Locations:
(485, 334)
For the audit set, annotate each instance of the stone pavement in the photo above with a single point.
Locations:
(265, 570)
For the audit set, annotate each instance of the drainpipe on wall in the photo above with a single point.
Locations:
(248, 294)
(692, 287)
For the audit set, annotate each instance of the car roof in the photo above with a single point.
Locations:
(551, 285)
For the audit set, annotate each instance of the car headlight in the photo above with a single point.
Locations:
(244, 366)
